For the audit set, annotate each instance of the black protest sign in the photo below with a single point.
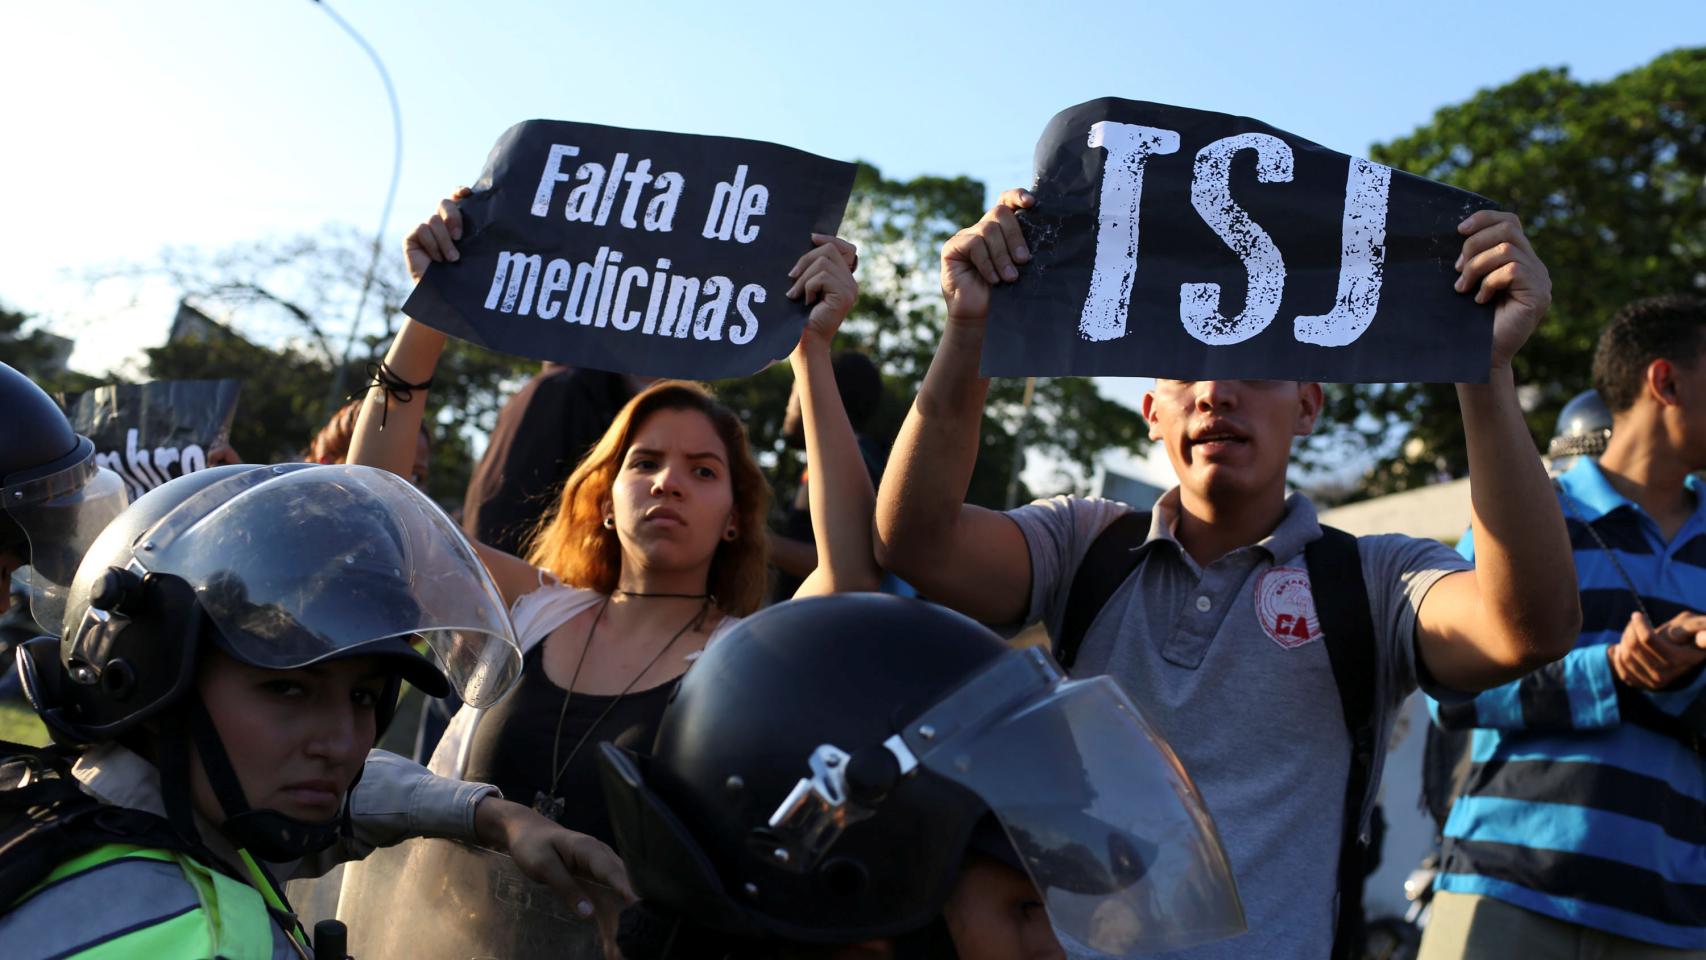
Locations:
(1185, 244)
(635, 251)
(149, 433)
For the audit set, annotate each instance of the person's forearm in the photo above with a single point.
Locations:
(1569, 695)
(930, 467)
(1523, 563)
(413, 357)
(493, 819)
(840, 494)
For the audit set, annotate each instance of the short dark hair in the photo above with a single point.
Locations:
(860, 386)
(1671, 327)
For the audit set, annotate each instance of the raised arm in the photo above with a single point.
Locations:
(1519, 608)
(971, 559)
(840, 489)
(389, 424)
(1570, 695)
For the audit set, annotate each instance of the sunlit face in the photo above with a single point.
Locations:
(995, 913)
(673, 499)
(296, 738)
(1230, 438)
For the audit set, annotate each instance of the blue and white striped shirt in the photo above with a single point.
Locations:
(1584, 800)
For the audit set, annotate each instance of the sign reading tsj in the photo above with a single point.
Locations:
(1167, 242)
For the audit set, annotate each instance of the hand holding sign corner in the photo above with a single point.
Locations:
(434, 239)
(982, 256)
(1500, 266)
(823, 280)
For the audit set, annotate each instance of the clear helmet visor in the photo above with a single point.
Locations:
(1104, 818)
(298, 565)
(60, 515)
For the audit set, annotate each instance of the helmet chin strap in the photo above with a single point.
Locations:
(267, 834)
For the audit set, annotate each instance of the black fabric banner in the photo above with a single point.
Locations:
(1193, 245)
(149, 433)
(635, 251)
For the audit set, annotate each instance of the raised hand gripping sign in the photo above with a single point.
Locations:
(1194, 245)
(635, 251)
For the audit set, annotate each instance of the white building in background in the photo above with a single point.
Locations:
(1115, 485)
(1438, 511)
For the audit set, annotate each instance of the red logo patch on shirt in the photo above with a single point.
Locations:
(1285, 607)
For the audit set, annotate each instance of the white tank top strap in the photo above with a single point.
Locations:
(536, 613)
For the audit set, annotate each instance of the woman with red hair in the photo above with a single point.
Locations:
(654, 549)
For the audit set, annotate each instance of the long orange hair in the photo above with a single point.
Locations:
(572, 542)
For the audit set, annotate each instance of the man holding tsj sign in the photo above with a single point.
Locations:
(1270, 652)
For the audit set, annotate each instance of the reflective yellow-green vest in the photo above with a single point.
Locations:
(121, 901)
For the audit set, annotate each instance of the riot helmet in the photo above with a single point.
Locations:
(54, 497)
(279, 568)
(823, 771)
(1584, 427)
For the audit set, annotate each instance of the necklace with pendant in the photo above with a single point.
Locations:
(548, 802)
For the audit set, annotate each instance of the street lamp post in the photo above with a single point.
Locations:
(332, 401)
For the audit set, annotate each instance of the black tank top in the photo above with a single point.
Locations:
(512, 743)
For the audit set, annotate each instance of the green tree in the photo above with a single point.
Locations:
(280, 405)
(36, 354)
(1608, 179)
(289, 302)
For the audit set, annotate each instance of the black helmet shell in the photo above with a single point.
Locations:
(849, 670)
(37, 437)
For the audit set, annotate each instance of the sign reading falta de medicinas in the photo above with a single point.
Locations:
(635, 251)
(1192, 245)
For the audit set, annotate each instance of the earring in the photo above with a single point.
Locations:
(730, 534)
(610, 523)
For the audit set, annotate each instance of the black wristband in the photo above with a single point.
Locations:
(396, 388)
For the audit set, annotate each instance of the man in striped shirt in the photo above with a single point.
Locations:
(1581, 828)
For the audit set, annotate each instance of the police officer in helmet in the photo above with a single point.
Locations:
(231, 648)
(865, 775)
(54, 498)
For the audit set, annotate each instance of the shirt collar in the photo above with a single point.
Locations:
(1586, 484)
(1297, 527)
(119, 776)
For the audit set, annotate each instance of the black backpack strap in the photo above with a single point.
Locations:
(1111, 558)
(46, 819)
(1347, 629)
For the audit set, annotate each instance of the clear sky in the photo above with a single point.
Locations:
(130, 127)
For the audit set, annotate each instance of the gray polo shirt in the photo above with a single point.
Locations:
(1226, 661)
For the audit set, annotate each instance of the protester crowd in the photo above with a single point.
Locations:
(630, 707)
